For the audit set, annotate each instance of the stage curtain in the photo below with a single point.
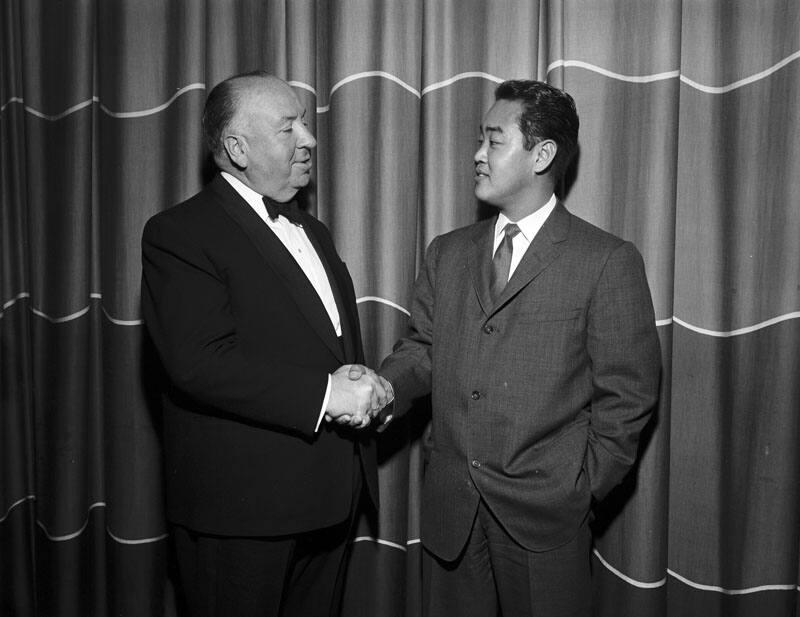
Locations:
(689, 147)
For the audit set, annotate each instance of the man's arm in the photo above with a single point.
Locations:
(186, 308)
(408, 368)
(623, 345)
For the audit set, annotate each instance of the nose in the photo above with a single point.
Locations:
(305, 138)
(480, 155)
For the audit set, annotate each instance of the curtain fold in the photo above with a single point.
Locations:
(689, 147)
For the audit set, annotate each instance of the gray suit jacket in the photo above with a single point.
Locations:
(538, 398)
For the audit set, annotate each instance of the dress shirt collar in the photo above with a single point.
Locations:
(249, 195)
(530, 225)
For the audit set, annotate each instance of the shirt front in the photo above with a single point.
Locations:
(294, 238)
(529, 226)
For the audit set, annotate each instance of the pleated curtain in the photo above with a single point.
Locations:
(689, 147)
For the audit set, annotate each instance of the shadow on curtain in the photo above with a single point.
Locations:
(690, 148)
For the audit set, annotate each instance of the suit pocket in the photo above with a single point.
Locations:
(533, 315)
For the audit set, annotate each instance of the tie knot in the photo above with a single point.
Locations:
(511, 230)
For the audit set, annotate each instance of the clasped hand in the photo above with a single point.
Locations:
(357, 395)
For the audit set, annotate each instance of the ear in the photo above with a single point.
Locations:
(236, 148)
(544, 156)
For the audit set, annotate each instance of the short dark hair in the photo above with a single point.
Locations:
(220, 109)
(547, 113)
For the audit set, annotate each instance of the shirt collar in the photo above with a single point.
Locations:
(530, 225)
(249, 195)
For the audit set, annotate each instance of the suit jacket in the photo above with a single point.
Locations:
(538, 398)
(247, 346)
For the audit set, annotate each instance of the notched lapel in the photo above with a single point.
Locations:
(544, 249)
(479, 260)
(282, 263)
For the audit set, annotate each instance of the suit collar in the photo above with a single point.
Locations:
(298, 287)
(544, 248)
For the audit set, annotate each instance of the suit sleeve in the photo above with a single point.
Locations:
(408, 368)
(186, 308)
(624, 351)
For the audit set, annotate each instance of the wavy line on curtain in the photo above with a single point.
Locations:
(739, 331)
(637, 79)
(75, 534)
(742, 82)
(17, 503)
(114, 114)
(399, 547)
(380, 300)
(616, 572)
(430, 88)
(731, 592)
(628, 579)
(71, 316)
(676, 73)
(659, 323)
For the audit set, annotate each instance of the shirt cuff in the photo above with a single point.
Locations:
(324, 404)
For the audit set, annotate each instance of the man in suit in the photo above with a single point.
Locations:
(535, 333)
(253, 313)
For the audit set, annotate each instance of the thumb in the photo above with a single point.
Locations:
(356, 372)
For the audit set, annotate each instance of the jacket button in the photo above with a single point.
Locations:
(475, 395)
(488, 328)
(476, 463)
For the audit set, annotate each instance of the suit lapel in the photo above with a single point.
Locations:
(546, 246)
(479, 261)
(298, 287)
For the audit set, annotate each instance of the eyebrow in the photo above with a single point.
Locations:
(492, 129)
(293, 117)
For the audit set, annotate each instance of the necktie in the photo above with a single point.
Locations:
(289, 210)
(501, 262)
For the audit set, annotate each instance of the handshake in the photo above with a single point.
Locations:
(357, 395)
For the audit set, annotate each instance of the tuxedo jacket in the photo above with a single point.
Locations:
(538, 397)
(247, 347)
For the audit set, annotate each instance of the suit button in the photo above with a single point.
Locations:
(475, 395)
(476, 463)
(488, 328)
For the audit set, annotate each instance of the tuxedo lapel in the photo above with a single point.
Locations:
(298, 287)
(338, 285)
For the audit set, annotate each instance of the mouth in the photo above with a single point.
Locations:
(480, 174)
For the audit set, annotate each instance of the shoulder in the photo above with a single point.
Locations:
(600, 250)
(195, 215)
(464, 236)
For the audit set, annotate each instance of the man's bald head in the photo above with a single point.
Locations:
(257, 130)
(227, 105)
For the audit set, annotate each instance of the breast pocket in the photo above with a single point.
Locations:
(543, 315)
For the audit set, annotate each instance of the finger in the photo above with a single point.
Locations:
(356, 371)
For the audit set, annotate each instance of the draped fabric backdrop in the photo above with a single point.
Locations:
(690, 148)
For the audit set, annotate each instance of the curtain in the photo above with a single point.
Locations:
(689, 147)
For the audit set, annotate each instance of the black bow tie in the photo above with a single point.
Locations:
(290, 210)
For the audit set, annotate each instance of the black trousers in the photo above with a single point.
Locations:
(298, 575)
(495, 576)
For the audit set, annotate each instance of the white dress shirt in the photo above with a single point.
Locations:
(528, 227)
(294, 238)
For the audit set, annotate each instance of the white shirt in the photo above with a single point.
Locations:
(294, 238)
(528, 227)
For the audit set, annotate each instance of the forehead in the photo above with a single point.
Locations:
(503, 115)
(271, 101)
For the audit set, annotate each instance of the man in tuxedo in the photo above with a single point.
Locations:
(253, 313)
(535, 333)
